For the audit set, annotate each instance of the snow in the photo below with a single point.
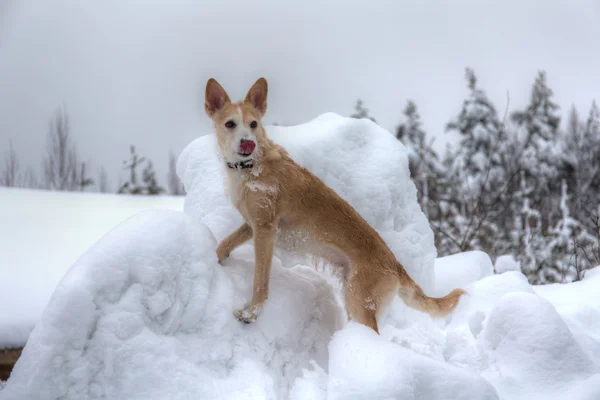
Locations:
(147, 312)
(361, 161)
(42, 234)
(506, 263)
(460, 270)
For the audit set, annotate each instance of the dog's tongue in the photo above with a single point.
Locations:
(247, 146)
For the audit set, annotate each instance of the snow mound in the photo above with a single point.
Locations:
(507, 263)
(363, 363)
(42, 233)
(361, 161)
(530, 343)
(460, 270)
(146, 313)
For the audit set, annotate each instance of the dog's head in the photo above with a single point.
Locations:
(239, 130)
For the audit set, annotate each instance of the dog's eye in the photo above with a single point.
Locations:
(253, 124)
(230, 124)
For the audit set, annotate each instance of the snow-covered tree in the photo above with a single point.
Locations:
(423, 160)
(476, 176)
(360, 111)
(132, 186)
(149, 178)
(150, 185)
(481, 133)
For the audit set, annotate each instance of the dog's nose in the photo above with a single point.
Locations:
(247, 146)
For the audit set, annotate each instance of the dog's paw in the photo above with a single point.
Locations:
(222, 254)
(248, 314)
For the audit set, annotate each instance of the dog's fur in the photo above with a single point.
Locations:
(287, 206)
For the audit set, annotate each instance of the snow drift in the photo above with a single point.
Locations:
(361, 161)
(146, 313)
(42, 233)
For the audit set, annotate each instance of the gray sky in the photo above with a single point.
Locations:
(133, 72)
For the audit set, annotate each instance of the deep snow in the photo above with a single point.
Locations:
(42, 234)
(146, 313)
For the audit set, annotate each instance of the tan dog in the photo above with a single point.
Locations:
(286, 205)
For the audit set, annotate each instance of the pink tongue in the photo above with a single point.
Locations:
(247, 146)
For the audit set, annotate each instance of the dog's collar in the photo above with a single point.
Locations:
(241, 164)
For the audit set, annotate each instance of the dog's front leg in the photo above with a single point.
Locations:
(233, 241)
(264, 242)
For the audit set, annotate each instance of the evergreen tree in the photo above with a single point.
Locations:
(360, 111)
(540, 120)
(481, 133)
(149, 178)
(476, 177)
(423, 160)
(132, 186)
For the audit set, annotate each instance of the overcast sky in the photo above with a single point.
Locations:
(133, 72)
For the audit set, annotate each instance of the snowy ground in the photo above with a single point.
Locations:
(42, 234)
(146, 313)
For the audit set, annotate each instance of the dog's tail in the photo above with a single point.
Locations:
(414, 297)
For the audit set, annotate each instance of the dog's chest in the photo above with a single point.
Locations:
(236, 183)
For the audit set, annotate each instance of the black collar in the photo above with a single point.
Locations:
(241, 164)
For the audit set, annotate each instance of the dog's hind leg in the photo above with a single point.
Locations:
(360, 305)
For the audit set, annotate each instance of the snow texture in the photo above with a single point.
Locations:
(361, 161)
(42, 234)
(147, 313)
(506, 263)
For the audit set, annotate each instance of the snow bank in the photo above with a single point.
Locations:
(363, 363)
(146, 313)
(460, 270)
(533, 351)
(361, 161)
(506, 263)
(42, 233)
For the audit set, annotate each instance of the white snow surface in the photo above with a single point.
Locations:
(146, 313)
(361, 161)
(42, 234)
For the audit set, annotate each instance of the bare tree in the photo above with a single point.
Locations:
(10, 176)
(84, 181)
(174, 183)
(103, 181)
(61, 162)
(30, 179)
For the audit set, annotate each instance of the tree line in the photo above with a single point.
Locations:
(514, 184)
(64, 170)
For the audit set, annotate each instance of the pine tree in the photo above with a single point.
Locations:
(132, 186)
(476, 176)
(481, 133)
(540, 120)
(423, 160)
(83, 180)
(360, 111)
(540, 123)
(149, 178)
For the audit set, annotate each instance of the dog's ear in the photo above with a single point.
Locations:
(257, 96)
(216, 97)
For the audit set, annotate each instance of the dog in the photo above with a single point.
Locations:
(285, 205)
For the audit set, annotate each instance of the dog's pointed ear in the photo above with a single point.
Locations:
(257, 95)
(216, 97)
